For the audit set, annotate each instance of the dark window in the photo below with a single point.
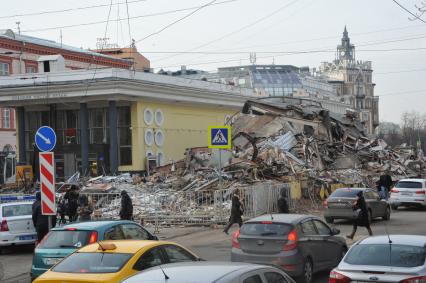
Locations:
(46, 66)
(149, 259)
(17, 210)
(308, 228)
(386, 255)
(135, 232)
(322, 228)
(93, 263)
(65, 239)
(124, 135)
(408, 185)
(177, 254)
(115, 233)
(274, 277)
(265, 229)
(9, 167)
(253, 279)
(344, 193)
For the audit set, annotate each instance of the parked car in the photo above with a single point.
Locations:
(394, 258)
(16, 224)
(409, 192)
(293, 242)
(113, 261)
(209, 272)
(62, 241)
(339, 205)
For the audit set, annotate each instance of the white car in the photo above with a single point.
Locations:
(16, 224)
(409, 192)
(393, 258)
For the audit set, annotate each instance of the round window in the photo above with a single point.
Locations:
(148, 116)
(149, 137)
(159, 117)
(159, 138)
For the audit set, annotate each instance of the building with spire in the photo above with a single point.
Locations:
(352, 80)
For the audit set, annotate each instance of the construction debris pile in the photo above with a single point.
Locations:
(284, 139)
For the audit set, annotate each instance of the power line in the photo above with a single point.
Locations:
(175, 22)
(401, 71)
(132, 18)
(408, 11)
(403, 92)
(66, 10)
(238, 30)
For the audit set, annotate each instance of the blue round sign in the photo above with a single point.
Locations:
(45, 138)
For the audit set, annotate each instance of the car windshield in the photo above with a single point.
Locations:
(386, 255)
(265, 229)
(344, 193)
(65, 239)
(17, 210)
(409, 185)
(93, 263)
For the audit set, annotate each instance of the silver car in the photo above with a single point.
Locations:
(298, 244)
(409, 192)
(397, 258)
(339, 205)
(16, 225)
(209, 272)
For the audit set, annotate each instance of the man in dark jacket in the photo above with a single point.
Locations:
(385, 184)
(126, 209)
(40, 221)
(236, 212)
(71, 198)
(282, 203)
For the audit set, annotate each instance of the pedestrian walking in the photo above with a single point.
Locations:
(385, 184)
(62, 210)
(126, 209)
(85, 208)
(360, 208)
(282, 202)
(40, 221)
(71, 198)
(236, 212)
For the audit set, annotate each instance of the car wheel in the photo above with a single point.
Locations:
(306, 277)
(394, 207)
(329, 220)
(387, 214)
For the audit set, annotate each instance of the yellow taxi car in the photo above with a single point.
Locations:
(113, 261)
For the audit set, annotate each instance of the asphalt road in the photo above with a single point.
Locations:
(213, 244)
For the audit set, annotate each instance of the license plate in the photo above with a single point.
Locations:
(406, 194)
(27, 237)
(51, 261)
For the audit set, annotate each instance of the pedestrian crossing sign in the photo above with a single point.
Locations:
(219, 137)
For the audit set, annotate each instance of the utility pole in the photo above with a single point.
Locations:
(19, 28)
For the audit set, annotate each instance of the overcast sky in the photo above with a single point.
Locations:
(376, 28)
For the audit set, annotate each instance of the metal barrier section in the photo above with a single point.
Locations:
(167, 208)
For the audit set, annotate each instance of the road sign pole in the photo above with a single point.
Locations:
(220, 168)
(50, 222)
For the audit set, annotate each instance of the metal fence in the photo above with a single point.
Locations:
(167, 208)
(16, 197)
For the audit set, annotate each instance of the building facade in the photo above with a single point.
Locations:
(120, 120)
(352, 80)
(21, 54)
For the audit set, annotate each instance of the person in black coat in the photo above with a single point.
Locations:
(282, 203)
(71, 198)
(385, 184)
(236, 212)
(40, 221)
(126, 209)
(360, 207)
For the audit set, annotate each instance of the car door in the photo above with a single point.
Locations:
(371, 203)
(134, 232)
(114, 233)
(328, 243)
(174, 254)
(150, 258)
(310, 243)
(381, 206)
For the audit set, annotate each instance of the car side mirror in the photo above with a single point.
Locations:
(335, 231)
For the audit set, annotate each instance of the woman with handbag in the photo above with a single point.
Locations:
(360, 208)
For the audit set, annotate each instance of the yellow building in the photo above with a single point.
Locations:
(116, 118)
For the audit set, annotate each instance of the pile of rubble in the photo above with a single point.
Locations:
(284, 139)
